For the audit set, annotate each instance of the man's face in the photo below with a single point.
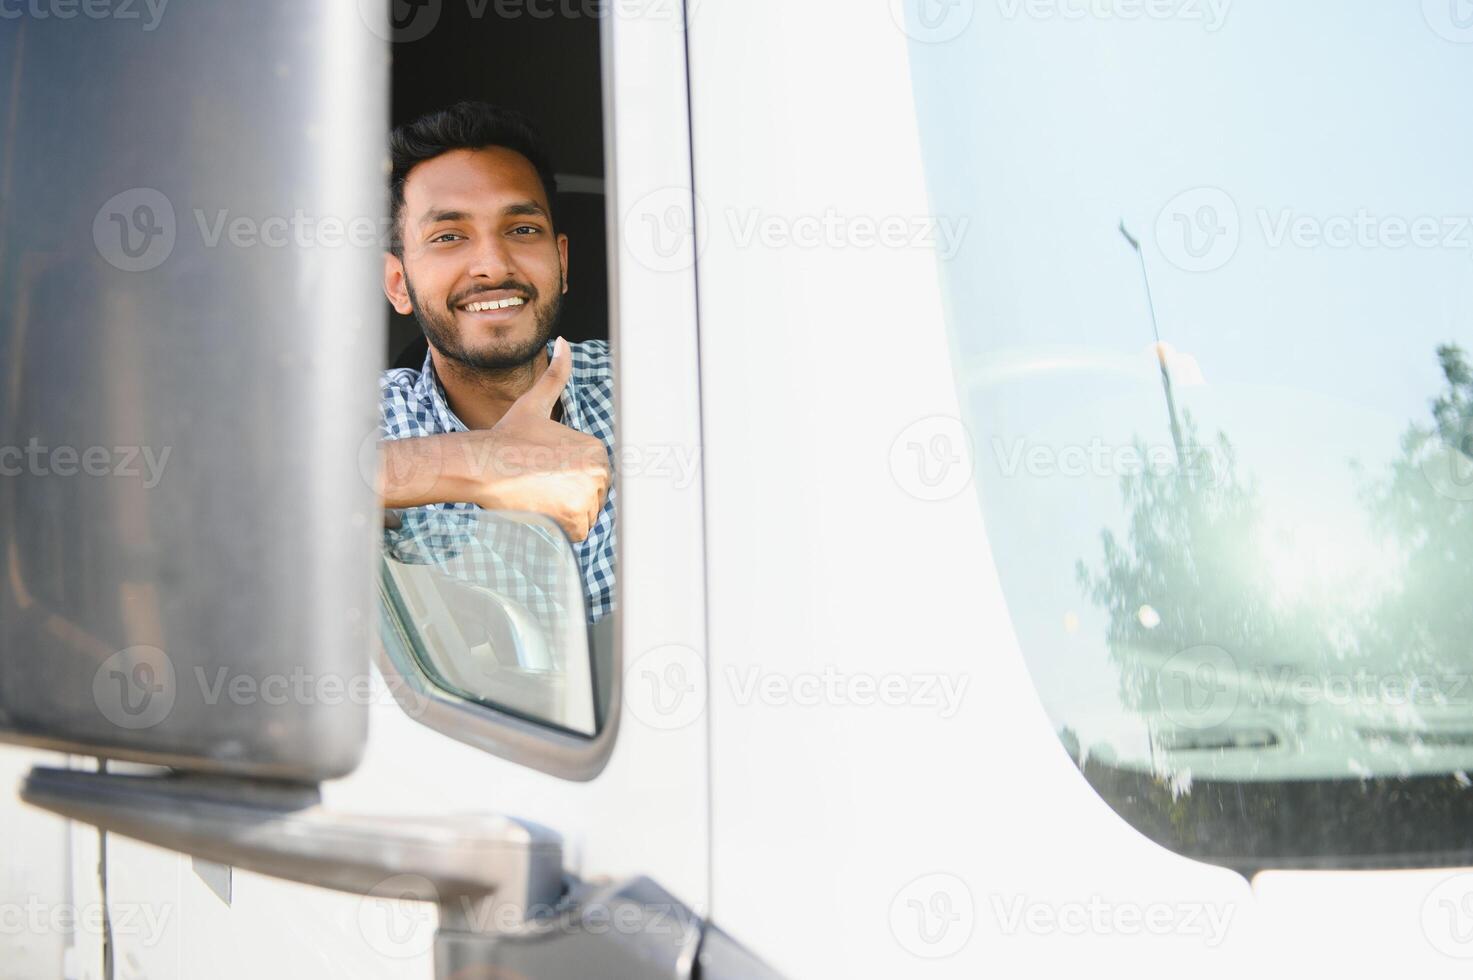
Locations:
(477, 234)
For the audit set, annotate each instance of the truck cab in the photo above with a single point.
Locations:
(1044, 472)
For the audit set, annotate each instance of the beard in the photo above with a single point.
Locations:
(439, 329)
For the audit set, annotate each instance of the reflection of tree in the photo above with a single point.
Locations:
(1425, 504)
(1193, 554)
(1187, 559)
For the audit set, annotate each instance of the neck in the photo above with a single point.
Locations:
(481, 396)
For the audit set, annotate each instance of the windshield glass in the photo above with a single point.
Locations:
(1212, 322)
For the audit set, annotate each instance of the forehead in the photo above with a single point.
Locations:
(473, 181)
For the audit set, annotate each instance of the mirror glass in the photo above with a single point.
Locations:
(491, 607)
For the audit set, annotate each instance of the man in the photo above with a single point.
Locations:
(501, 416)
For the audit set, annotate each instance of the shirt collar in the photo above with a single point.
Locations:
(431, 392)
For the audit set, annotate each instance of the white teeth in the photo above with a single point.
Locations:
(494, 304)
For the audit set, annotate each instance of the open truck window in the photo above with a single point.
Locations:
(499, 617)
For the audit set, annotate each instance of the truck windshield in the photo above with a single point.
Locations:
(1213, 323)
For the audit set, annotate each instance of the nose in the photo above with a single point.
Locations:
(492, 260)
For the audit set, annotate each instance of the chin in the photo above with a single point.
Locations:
(504, 355)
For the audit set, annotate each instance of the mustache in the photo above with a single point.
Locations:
(525, 288)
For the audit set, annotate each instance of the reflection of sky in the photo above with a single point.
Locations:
(1046, 132)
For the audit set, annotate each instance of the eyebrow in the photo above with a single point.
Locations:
(527, 208)
(435, 216)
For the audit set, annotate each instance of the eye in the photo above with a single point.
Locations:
(526, 230)
(446, 236)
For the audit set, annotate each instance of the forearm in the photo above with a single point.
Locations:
(525, 462)
(436, 469)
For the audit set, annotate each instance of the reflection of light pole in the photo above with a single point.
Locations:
(1181, 458)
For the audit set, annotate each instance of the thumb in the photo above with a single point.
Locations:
(538, 400)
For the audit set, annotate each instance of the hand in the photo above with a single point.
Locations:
(543, 466)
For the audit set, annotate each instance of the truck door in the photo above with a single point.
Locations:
(197, 567)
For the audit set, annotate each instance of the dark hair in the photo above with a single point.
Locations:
(463, 126)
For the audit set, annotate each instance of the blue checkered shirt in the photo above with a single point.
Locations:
(519, 565)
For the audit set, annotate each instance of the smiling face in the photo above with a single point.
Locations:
(482, 270)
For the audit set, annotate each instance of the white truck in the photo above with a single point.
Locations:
(1045, 499)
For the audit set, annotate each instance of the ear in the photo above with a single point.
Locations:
(562, 250)
(396, 287)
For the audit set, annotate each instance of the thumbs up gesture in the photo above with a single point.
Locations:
(544, 466)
